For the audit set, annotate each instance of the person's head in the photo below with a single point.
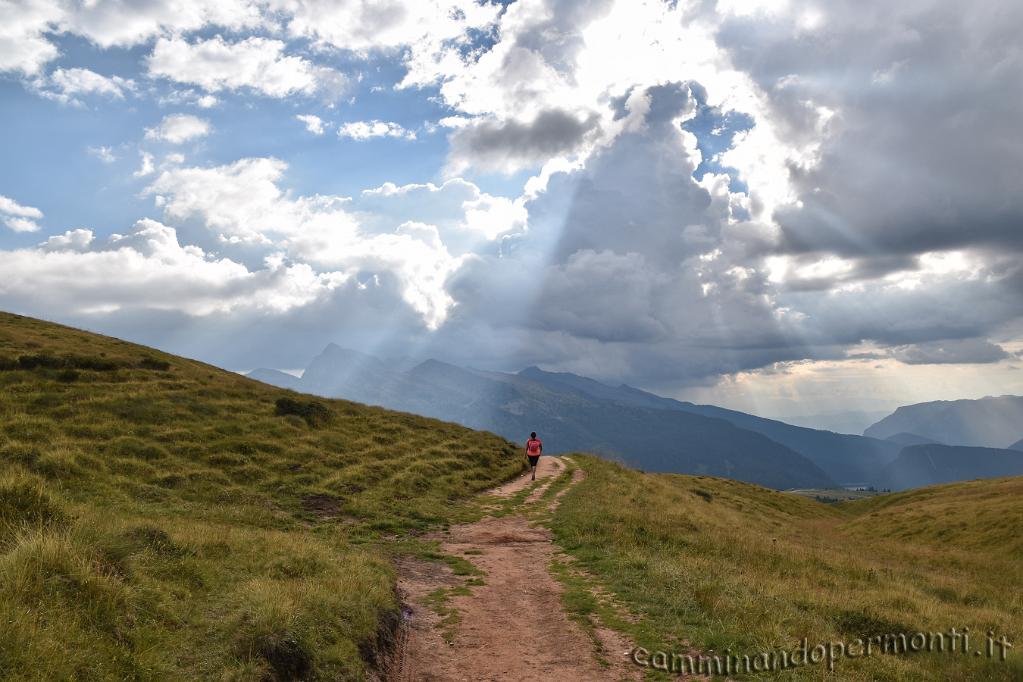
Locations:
(533, 435)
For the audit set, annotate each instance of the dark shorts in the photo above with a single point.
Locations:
(533, 459)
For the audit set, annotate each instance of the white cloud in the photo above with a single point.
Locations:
(255, 63)
(312, 123)
(104, 154)
(124, 23)
(153, 271)
(466, 218)
(73, 240)
(24, 47)
(21, 224)
(145, 167)
(364, 130)
(243, 202)
(12, 207)
(363, 26)
(189, 97)
(179, 128)
(241, 199)
(18, 217)
(68, 86)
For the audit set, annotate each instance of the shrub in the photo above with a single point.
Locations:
(154, 363)
(46, 361)
(312, 411)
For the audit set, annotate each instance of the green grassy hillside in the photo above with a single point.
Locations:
(163, 519)
(719, 566)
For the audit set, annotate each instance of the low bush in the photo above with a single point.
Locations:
(154, 363)
(312, 411)
(44, 360)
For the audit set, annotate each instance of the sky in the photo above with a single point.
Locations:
(784, 206)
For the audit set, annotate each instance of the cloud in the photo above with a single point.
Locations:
(17, 217)
(254, 63)
(21, 224)
(239, 200)
(145, 167)
(28, 26)
(243, 203)
(630, 263)
(508, 145)
(123, 23)
(467, 219)
(79, 239)
(68, 86)
(911, 152)
(179, 128)
(312, 123)
(189, 97)
(24, 46)
(365, 130)
(950, 351)
(422, 24)
(104, 154)
(153, 271)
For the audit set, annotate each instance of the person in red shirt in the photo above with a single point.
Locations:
(534, 447)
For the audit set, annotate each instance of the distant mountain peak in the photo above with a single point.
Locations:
(535, 371)
(433, 364)
(333, 350)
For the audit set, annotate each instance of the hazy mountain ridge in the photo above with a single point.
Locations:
(904, 438)
(577, 413)
(846, 458)
(993, 422)
(925, 465)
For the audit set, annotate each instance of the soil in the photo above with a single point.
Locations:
(513, 626)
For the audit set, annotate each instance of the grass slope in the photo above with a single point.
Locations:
(713, 565)
(163, 519)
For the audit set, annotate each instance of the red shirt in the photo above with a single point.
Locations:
(534, 446)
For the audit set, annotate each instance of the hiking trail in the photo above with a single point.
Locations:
(508, 624)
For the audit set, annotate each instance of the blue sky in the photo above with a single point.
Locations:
(729, 201)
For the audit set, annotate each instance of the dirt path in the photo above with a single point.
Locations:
(512, 627)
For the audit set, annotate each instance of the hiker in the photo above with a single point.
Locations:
(534, 446)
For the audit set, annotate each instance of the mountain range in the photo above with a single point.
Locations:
(641, 429)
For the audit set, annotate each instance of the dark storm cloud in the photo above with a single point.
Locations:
(923, 152)
(497, 144)
(950, 352)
